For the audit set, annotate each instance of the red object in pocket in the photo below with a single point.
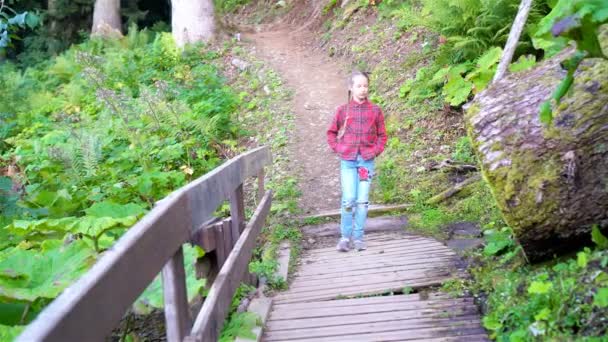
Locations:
(363, 173)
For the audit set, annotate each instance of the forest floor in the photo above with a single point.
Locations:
(319, 86)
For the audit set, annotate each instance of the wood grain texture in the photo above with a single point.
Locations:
(177, 313)
(335, 296)
(210, 319)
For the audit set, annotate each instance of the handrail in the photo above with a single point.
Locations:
(89, 309)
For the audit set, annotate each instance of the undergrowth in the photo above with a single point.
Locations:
(563, 299)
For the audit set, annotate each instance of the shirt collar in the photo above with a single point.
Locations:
(355, 103)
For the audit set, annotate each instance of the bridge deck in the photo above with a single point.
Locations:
(358, 296)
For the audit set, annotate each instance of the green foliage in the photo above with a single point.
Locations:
(98, 135)
(578, 21)
(10, 333)
(240, 325)
(27, 275)
(557, 300)
(10, 22)
(463, 151)
(598, 238)
(228, 6)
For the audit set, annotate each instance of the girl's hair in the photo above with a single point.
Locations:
(351, 82)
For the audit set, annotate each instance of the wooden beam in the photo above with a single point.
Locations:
(177, 312)
(511, 45)
(89, 309)
(210, 320)
(373, 209)
(207, 193)
(260, 184)
(237, 211)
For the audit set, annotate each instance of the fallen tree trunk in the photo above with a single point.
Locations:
(453, 190)
(550, 182)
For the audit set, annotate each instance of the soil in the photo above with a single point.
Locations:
(319, 84)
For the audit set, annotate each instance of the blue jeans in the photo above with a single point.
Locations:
(355, 197)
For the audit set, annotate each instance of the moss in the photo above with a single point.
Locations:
(517, 187)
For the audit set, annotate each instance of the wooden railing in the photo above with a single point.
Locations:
(92, 307)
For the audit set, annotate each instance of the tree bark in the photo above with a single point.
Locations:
(550, 182)
(192, 21)
(106, 18)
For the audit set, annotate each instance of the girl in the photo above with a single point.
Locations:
(357, 135)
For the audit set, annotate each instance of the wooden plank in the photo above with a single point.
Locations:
(90, 308)
(237, 211)
(375, 252)
(419, 308)
(380, 244)
(422, 334)
(177, 312)
(378, 300)
(420, 265)
(412, 317)
(260, 184)
(228, 238)
(215, 308)
(360, 290)
(208, 192)
(221, 252)
(379, 279)
(204, 237)
(447, 325)
(312, 269)
(404, 275)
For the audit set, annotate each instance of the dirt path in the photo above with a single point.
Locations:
(320, 86)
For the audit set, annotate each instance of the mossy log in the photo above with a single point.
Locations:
(550, 181)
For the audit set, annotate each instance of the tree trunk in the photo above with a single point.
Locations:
(192, 21)
(106, 18)
(550, 182)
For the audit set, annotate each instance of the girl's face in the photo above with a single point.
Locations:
(359, 88)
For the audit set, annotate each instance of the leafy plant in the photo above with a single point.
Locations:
(9, 23)
(577, 20)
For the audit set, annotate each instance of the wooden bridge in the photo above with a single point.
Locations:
(334, 297)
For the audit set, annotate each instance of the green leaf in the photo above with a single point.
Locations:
(523, 63)
(88, 225)
(405, 88)
(546, 114)
(598, 238)
(111, 209)
(152, 297)
(581, 259)
(27, 275)
(32, 20)
(489, 58)
(492, 323)
(543, 315)
(10, 333)
(540, 287)
(457, 90)
(600, 299)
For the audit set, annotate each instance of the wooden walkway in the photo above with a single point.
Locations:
(357, 296)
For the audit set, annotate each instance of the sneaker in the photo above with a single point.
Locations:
(342, 245)
(360, 245)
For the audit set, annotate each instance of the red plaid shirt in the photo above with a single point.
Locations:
(365, 132)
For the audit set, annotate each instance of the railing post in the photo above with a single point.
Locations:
(177, 312)
(261, 184)
(237, 211)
